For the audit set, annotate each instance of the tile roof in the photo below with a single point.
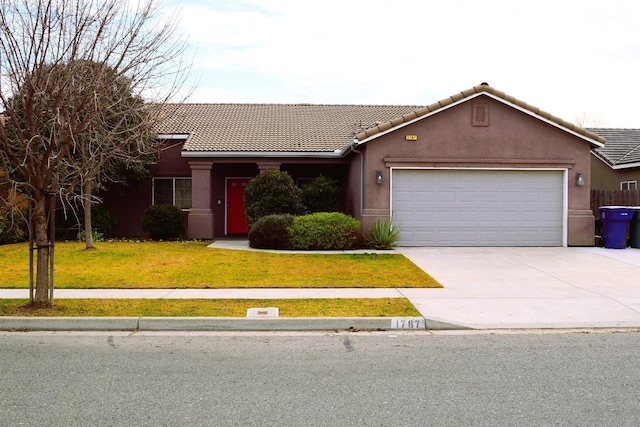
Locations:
(622, 148)
(308, 128)
(254, 128)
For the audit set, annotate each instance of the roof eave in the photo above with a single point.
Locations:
(407, 123)
(626, 166)
(558, 124)
(266, 154)
(555, 123)
(615, 166)
(602, 158)
(184, 136)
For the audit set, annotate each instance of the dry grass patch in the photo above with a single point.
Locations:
(373, 307)
(154, 265)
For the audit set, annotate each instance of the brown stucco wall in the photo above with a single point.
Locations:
(127, 204)
(512, 139)
(170, 161)
(353, 202)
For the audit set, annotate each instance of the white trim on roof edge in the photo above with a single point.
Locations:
(625, 166)
(497, 98)
(173, 135)
(612, 166)
(268, 154)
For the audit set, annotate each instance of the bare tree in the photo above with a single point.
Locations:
(585, 120)
(64, 65)
(120, 135)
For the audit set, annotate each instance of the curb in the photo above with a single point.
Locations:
(69, 323)
(221, 324)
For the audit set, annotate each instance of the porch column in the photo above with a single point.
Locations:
(201, 217)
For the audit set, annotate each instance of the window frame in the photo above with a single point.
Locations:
(173, 189)
(628, 184)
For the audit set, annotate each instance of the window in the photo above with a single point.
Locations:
(172, 191)
(629, 185)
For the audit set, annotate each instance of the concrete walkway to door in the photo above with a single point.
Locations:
(490, 288)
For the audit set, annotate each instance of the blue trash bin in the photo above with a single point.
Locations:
(615, 225)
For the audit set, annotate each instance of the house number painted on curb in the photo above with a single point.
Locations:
(408, 323)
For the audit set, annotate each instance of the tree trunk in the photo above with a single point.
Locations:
(88, 229)
(41, 229)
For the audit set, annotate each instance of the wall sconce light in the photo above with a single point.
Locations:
(378, 177)
(579, 179)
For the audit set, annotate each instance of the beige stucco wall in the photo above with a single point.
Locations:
(512, 139)
(605, 178)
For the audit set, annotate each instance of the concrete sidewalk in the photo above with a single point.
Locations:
(484, 288)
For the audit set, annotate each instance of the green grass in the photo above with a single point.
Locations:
(378, 307)
(153, 265)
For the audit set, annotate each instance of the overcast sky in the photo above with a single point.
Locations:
(579, 60)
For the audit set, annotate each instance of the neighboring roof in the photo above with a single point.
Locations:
(263, 128)
(306, 129)
(475, 91)
(622, 149)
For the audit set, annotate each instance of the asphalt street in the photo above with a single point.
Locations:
(319, 379)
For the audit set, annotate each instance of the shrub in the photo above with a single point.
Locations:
(272, 192)
(322, 195)
(13, 225)
(271, 232)
(70, 224)
(163, 222)
(103, 221)
(327, 231)
(96, 236)
(383, 235)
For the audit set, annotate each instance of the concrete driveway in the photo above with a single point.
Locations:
(529, 287)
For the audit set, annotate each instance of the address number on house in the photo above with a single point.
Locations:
(408, 323)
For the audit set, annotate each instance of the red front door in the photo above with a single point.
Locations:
(236, 223)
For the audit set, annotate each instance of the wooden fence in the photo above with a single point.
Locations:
(613, 198)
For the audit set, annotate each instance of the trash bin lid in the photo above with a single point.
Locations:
(616, 213)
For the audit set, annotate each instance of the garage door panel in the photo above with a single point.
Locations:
(404, 217)
(478, 207)
(514, 196)
(509, 216)
(468, 217)
(468, 197)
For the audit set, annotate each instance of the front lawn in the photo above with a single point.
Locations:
(359, 307)
(193, 265)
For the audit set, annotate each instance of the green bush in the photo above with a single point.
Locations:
(325, 231)
(103, 221)
(13, 225)
(271, 232)
(322, 195)
(95, 235)
(163, 222)
(272, 192)
(383, 235)
(70, 224)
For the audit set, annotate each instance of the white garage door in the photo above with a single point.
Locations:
(478, 207)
